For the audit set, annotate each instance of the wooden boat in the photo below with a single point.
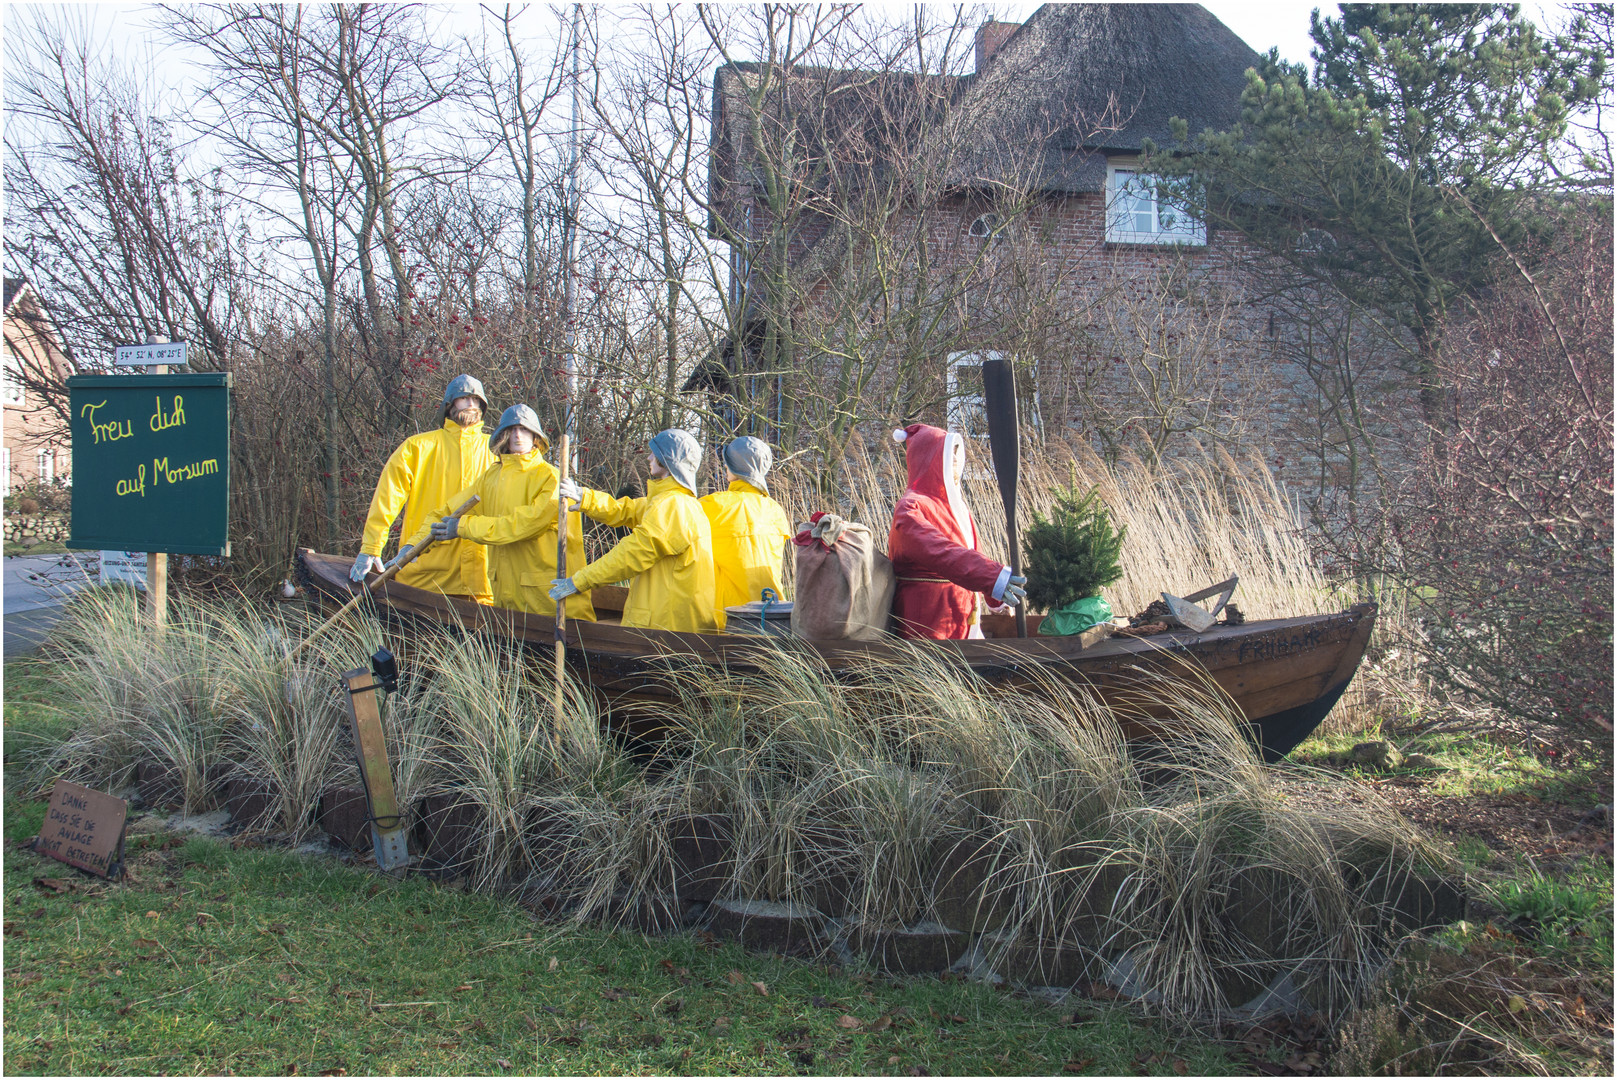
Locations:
(1283, 674)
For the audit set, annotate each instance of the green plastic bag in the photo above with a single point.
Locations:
(1076, 617)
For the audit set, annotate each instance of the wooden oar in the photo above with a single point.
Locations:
(561, 572)
(1004, 433)
(371, 586)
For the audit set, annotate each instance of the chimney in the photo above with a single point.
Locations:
(990, 36)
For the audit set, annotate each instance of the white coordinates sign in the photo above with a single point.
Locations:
(171, 353)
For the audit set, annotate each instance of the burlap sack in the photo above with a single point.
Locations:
(844, 588)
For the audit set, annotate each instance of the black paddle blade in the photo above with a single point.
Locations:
(1004, 443)
(999, 402)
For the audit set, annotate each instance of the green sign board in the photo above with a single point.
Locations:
(151, 462)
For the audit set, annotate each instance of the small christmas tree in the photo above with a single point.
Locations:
(1075, 554)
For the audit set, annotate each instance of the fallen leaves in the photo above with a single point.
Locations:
(763, 989)
(553, 965)
(849, 1022)
(1078, 1066)
(54, 886)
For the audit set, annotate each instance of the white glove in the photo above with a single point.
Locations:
(1015, 591)
(364, 564)
(404, 553)
(561, 588)
(447, 529)
(569, 490)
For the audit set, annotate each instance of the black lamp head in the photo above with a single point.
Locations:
(385, 669)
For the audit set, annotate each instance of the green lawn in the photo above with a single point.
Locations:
(212, 958)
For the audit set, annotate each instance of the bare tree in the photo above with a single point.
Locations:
(107, 223)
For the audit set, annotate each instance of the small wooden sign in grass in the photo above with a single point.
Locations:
(84, 828)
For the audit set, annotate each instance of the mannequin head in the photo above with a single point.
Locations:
(466, 411)
(519, 440)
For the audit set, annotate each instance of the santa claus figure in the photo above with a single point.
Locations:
(942, 578)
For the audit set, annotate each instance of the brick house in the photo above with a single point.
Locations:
(1129, 320)
(36, 441)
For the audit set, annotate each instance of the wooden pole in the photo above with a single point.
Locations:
(561, 572)
(157, 561)
(371, 586)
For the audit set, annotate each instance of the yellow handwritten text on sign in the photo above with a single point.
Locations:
(178, 474)
(174, 419)
(105, 430)
(135, 486)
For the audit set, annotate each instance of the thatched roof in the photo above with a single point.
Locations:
(1072, 84)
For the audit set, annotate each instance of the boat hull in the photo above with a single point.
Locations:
(1284, 675)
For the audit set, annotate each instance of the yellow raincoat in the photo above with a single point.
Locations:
(516, 519)
(422, 474)
(668, 556)
(750, 531)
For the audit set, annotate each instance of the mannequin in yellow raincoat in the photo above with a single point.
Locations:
(668, 556)
(749, 528)
(422, 473)
(515, 520)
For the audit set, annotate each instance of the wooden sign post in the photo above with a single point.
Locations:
(365, 723)
(84, 828)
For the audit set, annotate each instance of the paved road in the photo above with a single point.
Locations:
(35, 586)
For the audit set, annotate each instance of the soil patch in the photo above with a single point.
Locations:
(1508, 824)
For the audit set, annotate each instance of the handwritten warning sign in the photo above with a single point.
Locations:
(84, 828)
(151, 462)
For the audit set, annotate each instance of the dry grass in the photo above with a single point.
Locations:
(1192, 521)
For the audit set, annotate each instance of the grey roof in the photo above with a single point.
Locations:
(1075, 82)
(13, 287)
(1110, 76)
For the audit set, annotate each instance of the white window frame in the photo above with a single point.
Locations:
(967, 411)
(45, 464)
(966, 396)
(5, 467)
(14, 393)
(1121, 220)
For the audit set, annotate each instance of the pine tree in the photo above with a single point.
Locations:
(1075, 553)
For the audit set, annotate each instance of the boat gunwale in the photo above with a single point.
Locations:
(638, 643)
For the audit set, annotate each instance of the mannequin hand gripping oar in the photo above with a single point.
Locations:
(1004, 434)
(399, 562)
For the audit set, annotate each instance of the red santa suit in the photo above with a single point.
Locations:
(933, 545)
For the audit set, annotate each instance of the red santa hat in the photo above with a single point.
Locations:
(928, 451)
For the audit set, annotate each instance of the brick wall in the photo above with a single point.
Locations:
(29, 427)
(1142, 348)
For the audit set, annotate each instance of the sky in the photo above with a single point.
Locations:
(1260, 23)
